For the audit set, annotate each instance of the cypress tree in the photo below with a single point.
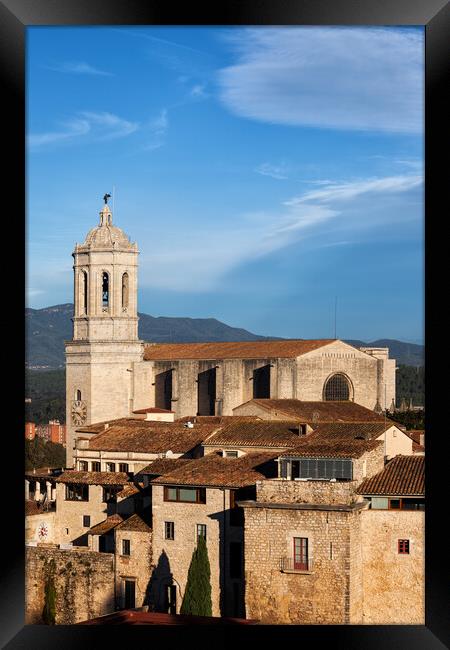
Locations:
(48, 615)
(197, 595)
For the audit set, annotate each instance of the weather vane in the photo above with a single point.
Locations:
(106, 197)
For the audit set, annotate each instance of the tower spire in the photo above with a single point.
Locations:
(105, 212)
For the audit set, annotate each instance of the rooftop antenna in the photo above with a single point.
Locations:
(335, 314)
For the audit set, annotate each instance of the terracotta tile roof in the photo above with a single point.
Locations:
(318, 412)
(133, 617)
(99, 427)
(163, 465)
(93, 478)
(214, 471)
(265, 433)
(32, 508)
(232, 350)
(333, 449)
(342, 431)
(145, 436)
(415, 435)
(219, 419)
(129, 490)
(136, 523)
(105, 526)
(402, 476)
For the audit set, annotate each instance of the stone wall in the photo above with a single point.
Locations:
(319, 492)
(174, 556)
(84, 584)
(69, 514)
(314, 368)
(318, 596)
(137, 566)
(393, 584)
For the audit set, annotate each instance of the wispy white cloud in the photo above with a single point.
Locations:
(275, 171)
(101, 126)
(352, 189)
(110, 125)
(71, 129)
(337, 214)
(355, 78)
(79, 67)
(198, 91)
(156, 130)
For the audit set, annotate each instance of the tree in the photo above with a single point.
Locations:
(48, 614)
(197, 595)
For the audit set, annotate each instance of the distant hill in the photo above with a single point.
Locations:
(406, 354)
(48, 328)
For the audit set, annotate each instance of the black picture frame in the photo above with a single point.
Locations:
(15, 17)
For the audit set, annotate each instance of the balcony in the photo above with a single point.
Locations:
(289, 565)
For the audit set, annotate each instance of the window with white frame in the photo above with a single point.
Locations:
(169, 530)
(200, 531)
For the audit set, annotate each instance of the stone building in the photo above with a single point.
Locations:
(110, 373)
(317, 552)
(199, 497)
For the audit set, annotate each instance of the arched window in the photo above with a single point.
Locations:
(105, 289)
(84, 292)
(337, 388)
(78, 395)
(125, 290)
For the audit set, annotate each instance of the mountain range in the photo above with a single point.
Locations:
(48, 328)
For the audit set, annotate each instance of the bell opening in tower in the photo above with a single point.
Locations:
(105, 289)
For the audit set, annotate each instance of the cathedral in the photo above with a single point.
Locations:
(110, 373)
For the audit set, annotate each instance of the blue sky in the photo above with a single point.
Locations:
(262, 171)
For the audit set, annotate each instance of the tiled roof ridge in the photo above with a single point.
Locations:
(387, 482)
(107, 478)
(287, 348)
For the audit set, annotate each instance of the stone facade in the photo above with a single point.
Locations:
(137, 566)
(303, 378)
(173, 557)
(84, 583)
(39, 527)
(69, 525)
(393, 585)
(355, 572)
(320, 595)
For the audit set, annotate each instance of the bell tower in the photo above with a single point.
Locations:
(105, 344)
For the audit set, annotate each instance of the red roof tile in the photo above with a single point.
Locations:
(105, 526)
(317, 412)
(132, 617)
(262, 433)
(333, 449)
(127, 434)
(232, 350)
(214, 471)
(163, 465)
(402, 476)
(32, 508)
(93, 478)
(136, 523)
